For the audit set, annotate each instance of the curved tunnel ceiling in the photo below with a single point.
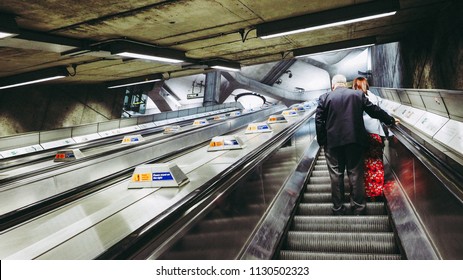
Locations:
(70, 33)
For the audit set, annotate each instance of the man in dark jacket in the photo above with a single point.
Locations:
(341, 131)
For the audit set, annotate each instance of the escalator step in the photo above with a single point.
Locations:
(320, 162)
(296, 255)
(341, 223)
(372, 243)
(316, 209)
(319, 180)
(321, 167)
(320, 173)
(318, 188)
(316, 197)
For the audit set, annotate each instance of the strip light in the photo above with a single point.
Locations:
(224, 65)
(144, 51)
(8, 26)
(329, 18)
(336, 46)
(149, 57)
(135, 81)
(33, 77)
(6, 34)
(225, 68)
(327, 25)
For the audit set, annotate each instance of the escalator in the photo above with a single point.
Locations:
(222, 232)
(315, 233)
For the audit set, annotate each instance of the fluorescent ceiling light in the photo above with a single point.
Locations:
(327, 25)
(149, 57)
(336, 46)
(224, 65)
(225, 68)
(33, 77)
(144, 51)
(5, 35)
(329, 18)
(135, 81)
(8, 26)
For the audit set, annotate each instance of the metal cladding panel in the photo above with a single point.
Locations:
(172, 114)
(434, 103)
(415, 99)
(46, 136)
(84, 129)
(404, 99)
(128, 122)
(183, 113)
(22, 140)
(392, 95)
(145, 119)
(453, 100)
(104, 126)
(160, 116)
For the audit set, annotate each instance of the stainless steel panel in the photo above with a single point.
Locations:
(415, 99)
(183, 113)
(434, 103)
(172, 114)
(392, 94)
(128, 122)
(192, 111)
(105, 126)
(439, 209)
(145, 119)
(453, 101)
(21, 140)
(51, 135)
(404, 99)
(160, 116)
(84, 129)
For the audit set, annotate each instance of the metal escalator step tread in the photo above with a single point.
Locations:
(318, 188)
(357, 242)
(319, 180)
(320, 173)
(320, 162)
(296, 255)
(341, 223)
(325, 180)
(321, 167)
(316, 197)
(316, 209)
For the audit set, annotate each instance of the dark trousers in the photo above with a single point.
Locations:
(350, 158)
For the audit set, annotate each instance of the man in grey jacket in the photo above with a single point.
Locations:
(341, 131)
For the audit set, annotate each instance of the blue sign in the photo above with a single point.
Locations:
(162, 176)
(230, 142)
(262, 127)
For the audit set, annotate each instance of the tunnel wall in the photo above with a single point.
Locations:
(428, 59)
(46, 107)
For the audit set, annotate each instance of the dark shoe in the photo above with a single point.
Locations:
(340, 211)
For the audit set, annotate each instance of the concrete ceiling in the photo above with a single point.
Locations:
(52, 31)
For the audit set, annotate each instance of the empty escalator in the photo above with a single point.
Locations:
(315, 233)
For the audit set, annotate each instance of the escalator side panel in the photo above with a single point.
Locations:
(439, 211)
